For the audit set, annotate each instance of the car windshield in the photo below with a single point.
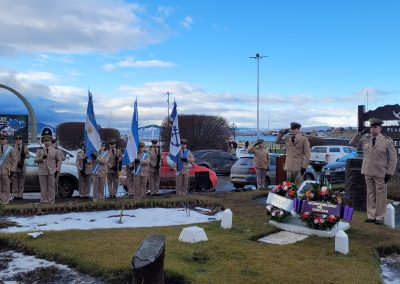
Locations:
(348, 156)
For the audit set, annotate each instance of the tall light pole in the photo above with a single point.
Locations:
(168, 94)
(258, 57)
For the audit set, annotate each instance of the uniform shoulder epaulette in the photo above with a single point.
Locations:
(388, 137)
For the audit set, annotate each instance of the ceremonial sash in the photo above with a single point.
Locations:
(137, 171)
(96, 168)
(179, 164)
(7, 152)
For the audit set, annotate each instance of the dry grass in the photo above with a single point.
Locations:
(230, 256)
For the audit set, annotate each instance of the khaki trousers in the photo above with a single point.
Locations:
(17, 184)
(5, 195)
(376, 197)
(139, 186)
(47, 188)
(182, 184)
(84, 184)
(261, 174)
(154, 182)
(98, 188)
(294, 176)
(130, 183)
(112, 182)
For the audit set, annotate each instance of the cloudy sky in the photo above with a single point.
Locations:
(323, 58)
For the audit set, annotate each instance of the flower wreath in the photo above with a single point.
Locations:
(316, 220)
(286, 189)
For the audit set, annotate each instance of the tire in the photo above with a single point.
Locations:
(238, 185)
(309, 176)
(65, 188)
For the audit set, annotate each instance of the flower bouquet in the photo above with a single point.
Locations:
(287, 190)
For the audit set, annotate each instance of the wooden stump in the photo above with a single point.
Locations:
(355, 187)
(148, 261)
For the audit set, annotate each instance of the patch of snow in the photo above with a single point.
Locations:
(148, 217)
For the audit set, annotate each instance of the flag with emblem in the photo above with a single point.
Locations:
(175, 143)
(132, 145)
(92, 139)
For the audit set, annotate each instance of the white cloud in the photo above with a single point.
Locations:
(130, 62)
(187, 22)
(77, 26)
(166, 11)
(36, 76)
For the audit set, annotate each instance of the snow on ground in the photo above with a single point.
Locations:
(25, 263)
(149, 217)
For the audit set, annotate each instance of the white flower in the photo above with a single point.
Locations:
(269, 207)
(273, 213)
(281, 213)
(286, 188)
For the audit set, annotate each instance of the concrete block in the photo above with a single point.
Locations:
(193, 235)
(342, 242)
(389, 216)
(226, 222)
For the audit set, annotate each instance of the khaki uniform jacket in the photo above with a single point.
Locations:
(25, 151)
(185, 169)
(144, 164)
(378, 160)
(79, 163)
(261, 157)
(112, 160)
(297, 154)
(10, 164)
(102, 160)
(49, 165)
(153, 154)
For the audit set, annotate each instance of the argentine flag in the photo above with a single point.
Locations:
(92, 139)
(175, 143)
(133, 139)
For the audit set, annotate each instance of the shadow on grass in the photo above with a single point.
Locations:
(173, 277)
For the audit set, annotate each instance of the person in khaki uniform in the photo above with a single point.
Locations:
(18, 178)
(141, 169)
(297, 151)
(84, 166)
(99, 161)
(379, 164)
(154, 167)
(112, 168)
(49, 161)
(182, 177)
(260, 162)
(8, 164)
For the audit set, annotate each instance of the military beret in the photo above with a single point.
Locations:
(154, 141)
(375, 122)
(260, 140)
(18, 137)
(103, 144)
(3, 136)
(183, 141)
(112, 141)
(294, 125)
(141, 144)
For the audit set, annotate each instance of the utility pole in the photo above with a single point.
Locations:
(168, 94)
(258, 57)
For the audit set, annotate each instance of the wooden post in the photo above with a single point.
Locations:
(280, 172)
(148, 261)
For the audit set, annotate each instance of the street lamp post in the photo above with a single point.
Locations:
(258, 57)
(168, 94)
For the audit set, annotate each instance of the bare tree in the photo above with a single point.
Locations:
(201, 131)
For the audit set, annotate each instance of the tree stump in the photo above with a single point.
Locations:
(355, 187)
(148, 261)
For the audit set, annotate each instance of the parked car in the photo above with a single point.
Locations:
(335, 172)
(322, 155)
(168, 176)
(70, 157)
(67, 183)
(244, 173)
(219, 161)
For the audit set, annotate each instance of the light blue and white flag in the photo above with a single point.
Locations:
(132, 145)
(92, 139)
(175, 143)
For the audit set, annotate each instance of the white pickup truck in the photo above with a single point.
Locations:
(322, 155)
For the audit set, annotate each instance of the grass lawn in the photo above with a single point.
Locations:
(230, 256)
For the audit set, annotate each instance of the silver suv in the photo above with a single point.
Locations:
(322, 155)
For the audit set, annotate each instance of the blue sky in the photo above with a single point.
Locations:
(323, 58)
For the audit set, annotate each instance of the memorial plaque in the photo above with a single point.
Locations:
(280, 202)
(322, 208)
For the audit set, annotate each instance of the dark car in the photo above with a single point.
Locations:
(244, 173)
(335, 172)
(219, 161)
